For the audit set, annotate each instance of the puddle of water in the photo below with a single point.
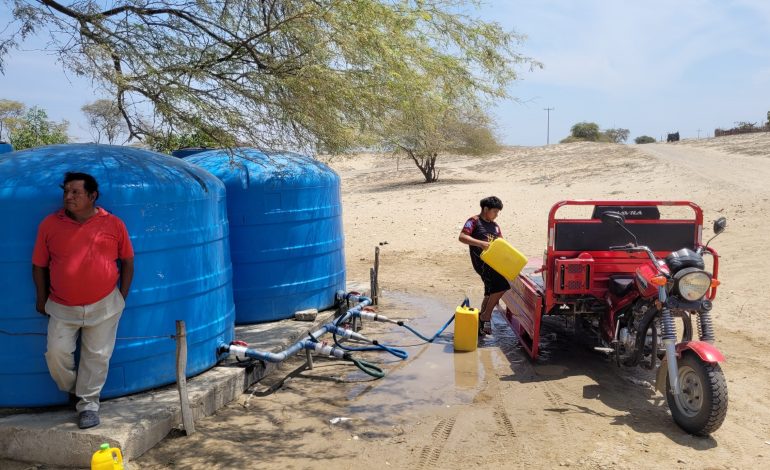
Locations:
(434, 375)
(466, 368)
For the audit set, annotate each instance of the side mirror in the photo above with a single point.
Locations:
(720, 225)
(613, 218)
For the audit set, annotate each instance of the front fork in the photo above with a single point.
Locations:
(668, 327)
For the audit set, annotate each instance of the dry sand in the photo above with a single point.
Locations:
(495, 408)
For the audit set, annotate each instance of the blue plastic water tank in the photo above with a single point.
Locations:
(286, 238)
(5, 147)
(175, 213)
(187, 151)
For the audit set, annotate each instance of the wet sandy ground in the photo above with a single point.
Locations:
(491, 408)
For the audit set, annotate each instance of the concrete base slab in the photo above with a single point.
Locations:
(136, 423)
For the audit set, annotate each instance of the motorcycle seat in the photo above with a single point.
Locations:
(620, 285)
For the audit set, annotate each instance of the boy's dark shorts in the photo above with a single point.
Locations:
(494, 282)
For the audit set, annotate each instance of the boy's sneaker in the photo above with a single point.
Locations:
(485, 328)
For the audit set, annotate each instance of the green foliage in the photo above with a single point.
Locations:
(589, 132)
(318, 74)
(585, 131)
(428, 126)
(616, 136)
(644, 139)
(475, 139)
(104, 120)
(10, 113)
(34, 129)
(170, 141)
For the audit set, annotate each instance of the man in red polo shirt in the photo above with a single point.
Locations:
(82, 290)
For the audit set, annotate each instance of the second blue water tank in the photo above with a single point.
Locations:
(286, 237)
(188, 151)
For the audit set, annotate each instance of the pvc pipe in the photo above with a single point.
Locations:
(313, 346)
(309, 344)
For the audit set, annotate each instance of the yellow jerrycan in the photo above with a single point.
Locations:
(466, 327)
(503, 258)
(107, 458)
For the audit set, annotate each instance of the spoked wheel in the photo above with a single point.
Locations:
(702, 406)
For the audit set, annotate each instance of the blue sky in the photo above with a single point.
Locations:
(651, 67)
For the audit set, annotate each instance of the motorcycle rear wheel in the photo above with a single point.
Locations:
(702, 406)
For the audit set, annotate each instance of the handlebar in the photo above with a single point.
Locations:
(628, 247)
(631, 248)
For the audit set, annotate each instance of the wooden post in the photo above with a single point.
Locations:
(376, 293)
(372, 287)
(308, 359)
(181, 378)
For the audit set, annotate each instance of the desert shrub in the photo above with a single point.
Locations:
(589, 132)
(644, 139)
(586, 131)
(476, 139)
(616, 136)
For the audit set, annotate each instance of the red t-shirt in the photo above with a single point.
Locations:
(82, 258)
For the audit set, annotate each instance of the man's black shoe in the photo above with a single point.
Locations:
(88, 419)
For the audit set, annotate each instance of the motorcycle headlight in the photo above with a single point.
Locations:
(692, 283)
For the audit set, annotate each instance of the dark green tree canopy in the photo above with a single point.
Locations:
(586, 131)
(34, 129)
(295, 73)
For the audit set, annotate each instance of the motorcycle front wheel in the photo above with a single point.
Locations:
(702, 406)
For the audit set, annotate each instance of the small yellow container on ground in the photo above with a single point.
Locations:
(504, 258)
(466, 328)
(107, 458)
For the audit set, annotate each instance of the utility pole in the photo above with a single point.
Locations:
(548, 128)
(698, 134)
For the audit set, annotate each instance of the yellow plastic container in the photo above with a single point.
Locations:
(503, 258)
(466, 328)
(107, 458)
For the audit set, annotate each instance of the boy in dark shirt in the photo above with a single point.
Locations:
(477, 232)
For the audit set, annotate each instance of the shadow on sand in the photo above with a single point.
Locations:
(628, 390)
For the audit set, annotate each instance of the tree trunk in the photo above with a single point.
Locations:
(426, 164)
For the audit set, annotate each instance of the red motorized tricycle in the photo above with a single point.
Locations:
(627, 276)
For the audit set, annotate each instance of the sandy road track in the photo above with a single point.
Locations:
(750, 173)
